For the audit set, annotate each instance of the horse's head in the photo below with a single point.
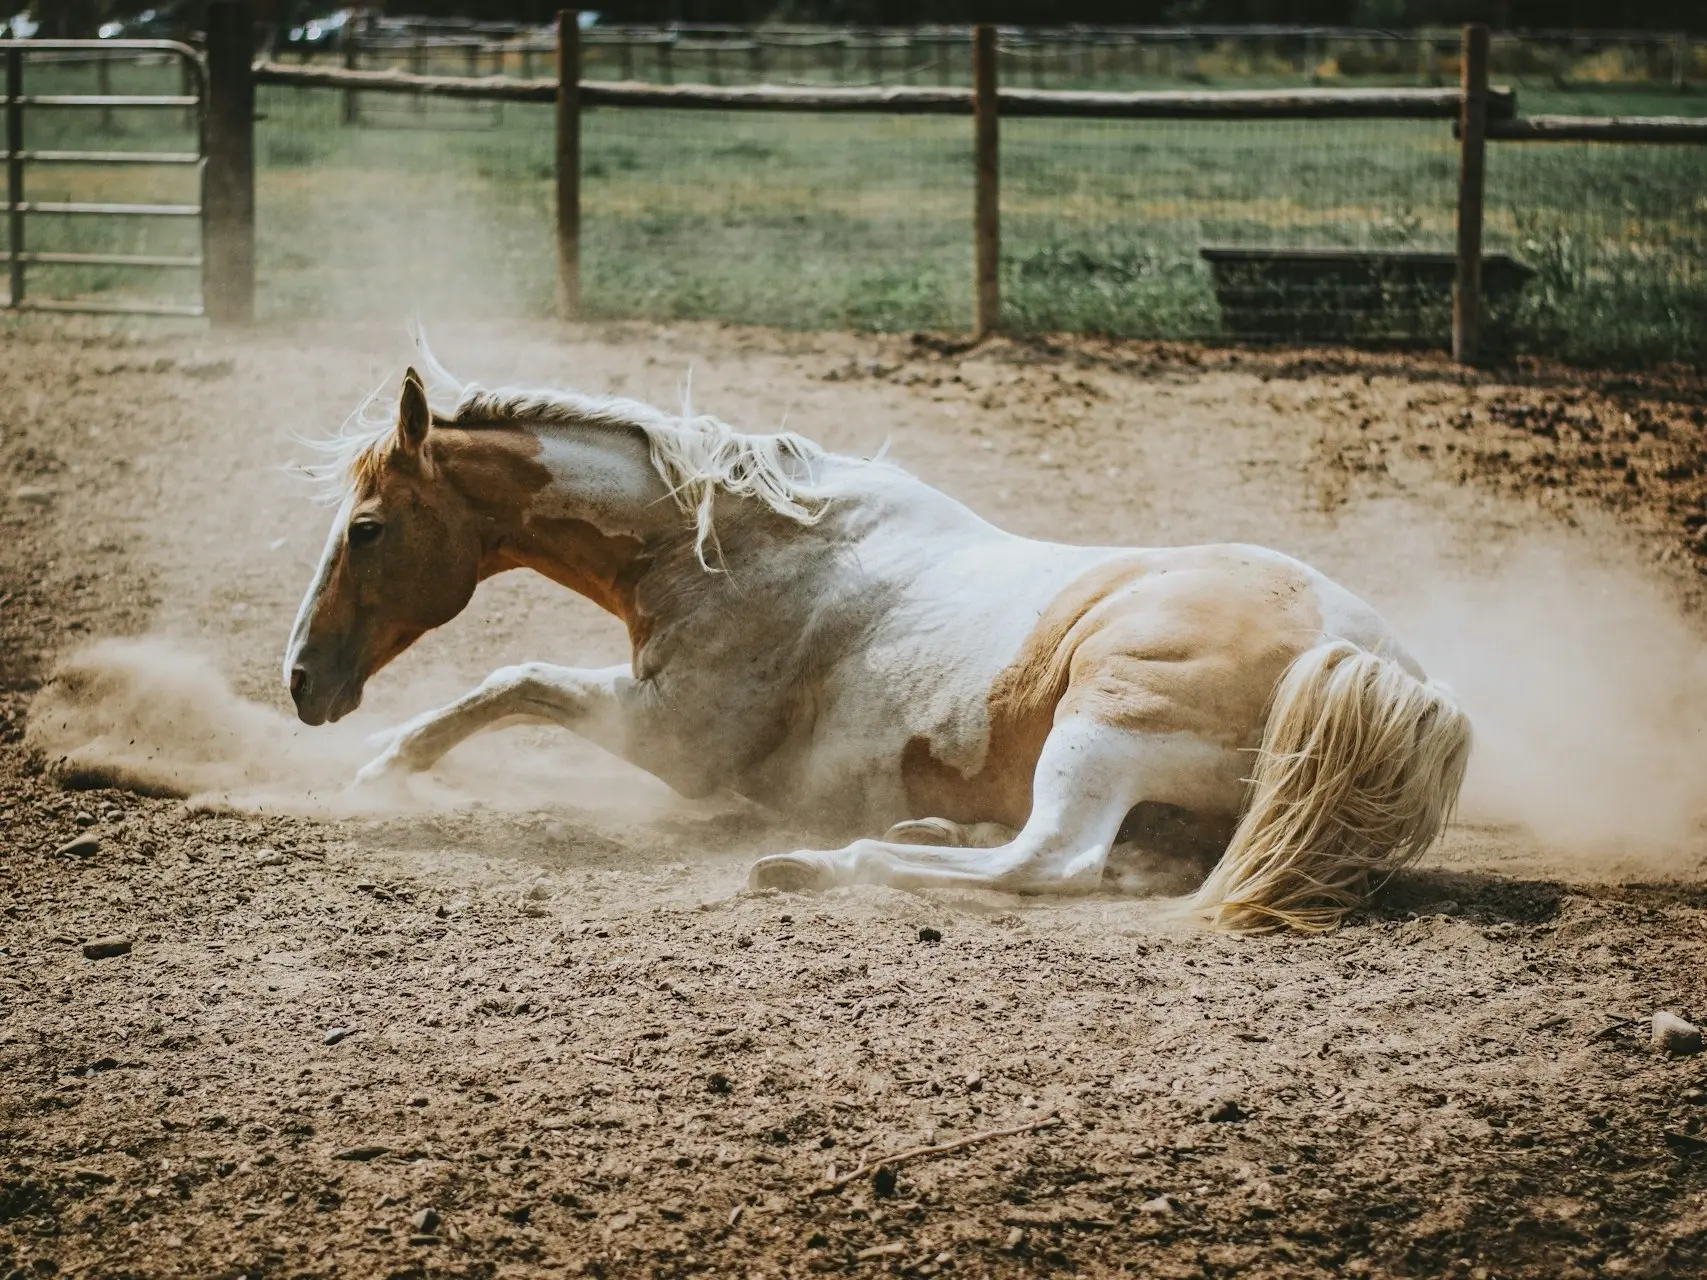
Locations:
(403, 557)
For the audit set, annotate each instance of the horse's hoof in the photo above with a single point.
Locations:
(937, 832)
(384, 778)
(789, 872)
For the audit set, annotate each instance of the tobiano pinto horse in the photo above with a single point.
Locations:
(840, 642)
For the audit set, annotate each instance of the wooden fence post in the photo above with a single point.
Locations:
(568, 163)
(228, 182)
(1472, 174)
(986, 218)
(352, 62)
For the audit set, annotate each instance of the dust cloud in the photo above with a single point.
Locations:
(1587, 688)
(155, 716)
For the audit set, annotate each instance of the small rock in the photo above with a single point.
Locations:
(419, 1100)
(83, 819)
(539, 893)
(717, 1082)
(1161, 1204)
(105, 948)
(265, 857)
(443, 912)
(38, 494)
(334, 1035)
(1671, 1033)
(928, 934)
(426, 1222)
(372, 1152)
(80, 847)
(974, 1083)
(1016, 1237)
(1224, 1111)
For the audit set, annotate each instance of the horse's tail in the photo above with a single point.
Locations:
(1358, 771)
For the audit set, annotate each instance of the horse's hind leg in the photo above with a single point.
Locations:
(583, 701)
(1088, 778)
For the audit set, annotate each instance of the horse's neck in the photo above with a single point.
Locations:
(585, 506)
(604, 477)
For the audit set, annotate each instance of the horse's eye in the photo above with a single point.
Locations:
(364, 533)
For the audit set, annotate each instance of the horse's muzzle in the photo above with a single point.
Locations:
(320, 701)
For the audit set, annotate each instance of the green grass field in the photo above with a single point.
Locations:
(865, 221)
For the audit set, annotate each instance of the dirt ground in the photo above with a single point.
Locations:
(575, 1044)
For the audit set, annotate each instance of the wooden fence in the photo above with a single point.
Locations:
(1479, 112)
(905, 53)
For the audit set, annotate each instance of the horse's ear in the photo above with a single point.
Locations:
(414, 418)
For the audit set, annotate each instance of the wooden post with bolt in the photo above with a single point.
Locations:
(986, 218)
(1472, 182)
(228, 182)
(568, 163)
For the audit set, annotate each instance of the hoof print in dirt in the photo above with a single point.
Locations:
(1671, 1034)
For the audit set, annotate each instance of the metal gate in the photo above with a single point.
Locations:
(21, 158)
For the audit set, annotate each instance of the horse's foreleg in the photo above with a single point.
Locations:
(1088, 778)
(584, 701)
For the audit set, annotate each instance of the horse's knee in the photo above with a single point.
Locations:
(520, 679)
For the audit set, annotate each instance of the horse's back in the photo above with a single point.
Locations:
(997, 639)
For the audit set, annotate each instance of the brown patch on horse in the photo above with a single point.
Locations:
(605, 568)
(1189, 640)
(499, 473)
(1021, 710)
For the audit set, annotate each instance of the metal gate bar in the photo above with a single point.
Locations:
(17, 256)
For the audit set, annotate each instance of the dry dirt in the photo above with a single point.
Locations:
(577, 1045)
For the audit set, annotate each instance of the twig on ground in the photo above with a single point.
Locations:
(869, 1167)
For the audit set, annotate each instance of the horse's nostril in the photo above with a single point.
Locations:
(298, 682)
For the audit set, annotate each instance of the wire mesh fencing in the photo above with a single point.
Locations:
(450, 210)
(807, 221)
(1267, 231)
(1616, 235)
(1263, 231)
(800, 220)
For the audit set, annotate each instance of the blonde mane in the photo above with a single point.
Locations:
(696, 455)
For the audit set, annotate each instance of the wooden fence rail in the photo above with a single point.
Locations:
(1235, 104)
(1479, 113)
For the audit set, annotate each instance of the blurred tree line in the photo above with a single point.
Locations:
(72, 18)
